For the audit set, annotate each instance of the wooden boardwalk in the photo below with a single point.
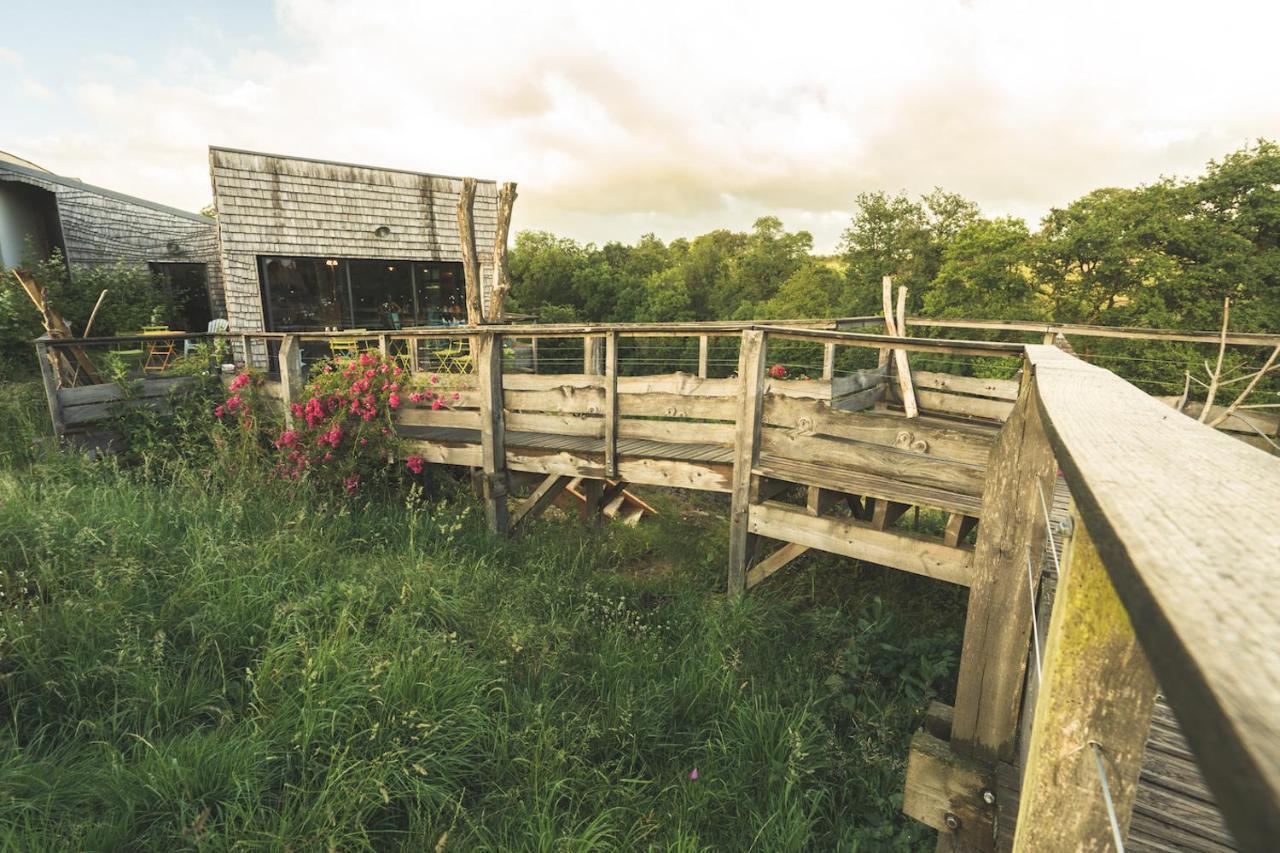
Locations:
(836, 462)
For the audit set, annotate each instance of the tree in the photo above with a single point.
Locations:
(987, 272)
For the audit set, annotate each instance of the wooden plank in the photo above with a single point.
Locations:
(543, 496)
(492, 439)
(677, 432)
(958, 527)
(969, 443)
(886, 514)
(662, 405)
(903, 465)
(859, 540)
(1126, 332)
(611, 405)
(806, 389)
(828, 362)
(702, 356)
(425, 416)
(588, 425)
(109, 392)
(901, 364)
(997, 389)
(861, 483)
(1097, 689)
(593, 356)
(549, 382)
(860, 401)
(1182, 516)
(676, 474)
(971, 407)
(565, 400)
(439, 453)
(49, 378)
(944, 790)
(775, 562)
(683, 384)
(746, 453)
(998, 626)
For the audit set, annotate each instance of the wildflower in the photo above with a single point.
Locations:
(366, 359)
(286, 439)
(396, 371)
(436, 405)
(415, 463)
(417, 396)
(435, 379)
(351, 483)
(693, 774)
(456, 396)
(778, 371)
(219, 411)
(240, 381)
(233, 404)
(394, 400)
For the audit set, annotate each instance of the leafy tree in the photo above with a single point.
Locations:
(987, 272)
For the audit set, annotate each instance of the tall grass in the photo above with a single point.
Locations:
(197, 660)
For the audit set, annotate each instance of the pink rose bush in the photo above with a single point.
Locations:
(343, 433)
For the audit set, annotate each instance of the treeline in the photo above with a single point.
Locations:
(1162, 254)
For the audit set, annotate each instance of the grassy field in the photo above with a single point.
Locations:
(193, 658)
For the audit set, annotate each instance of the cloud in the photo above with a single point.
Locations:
(680, 117)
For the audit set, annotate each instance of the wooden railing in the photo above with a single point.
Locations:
(1169, 577)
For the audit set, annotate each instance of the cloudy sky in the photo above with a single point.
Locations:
(672, 117)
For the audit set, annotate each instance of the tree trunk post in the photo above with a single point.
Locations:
(470, 263)
(290, 376)
(501, 270)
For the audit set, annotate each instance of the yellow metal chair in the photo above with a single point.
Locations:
(454, 358)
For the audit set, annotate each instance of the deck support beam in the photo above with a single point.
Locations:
(493, 452)
(997, 631)
(1097, 689)
(746, 453)
(543, 496)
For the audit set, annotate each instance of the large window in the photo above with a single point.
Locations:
(315, 294)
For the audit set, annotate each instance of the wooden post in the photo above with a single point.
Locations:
(244, 348)
(611, 405)
(702, 356)
(493, 453)
(470, 263)
(384, 345)
(290, 375)
(746, 452)
(49, 374)
(828, 362)
(533, 350)
(592, 494)
(1097, 689)
(501, 271)
(592, 355)
(886, 298)
(997, 629)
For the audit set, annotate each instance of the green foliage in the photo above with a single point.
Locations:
(135, 298)
(194, 657)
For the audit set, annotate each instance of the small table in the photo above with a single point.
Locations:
(159, 353)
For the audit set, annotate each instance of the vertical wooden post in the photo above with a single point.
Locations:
(592, 355)
(746, 452)
(611, 406)
(828, 362)
(470, 263)
(244, 348)
(290, 375)
(493, 453)
(384, 345)
(533, 349)
(997, 629)
(1097, 689)
(49, 374)
(592, 493)
(501, 271)
(702, 356)
(886, 298)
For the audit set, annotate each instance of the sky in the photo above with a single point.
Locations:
(618, 119)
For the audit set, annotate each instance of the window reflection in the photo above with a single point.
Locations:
(314, 294)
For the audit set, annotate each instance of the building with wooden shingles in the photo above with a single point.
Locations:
(308, 245)
(41, 211)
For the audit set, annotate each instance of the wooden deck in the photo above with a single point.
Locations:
(834, 464)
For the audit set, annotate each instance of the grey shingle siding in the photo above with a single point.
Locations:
(270, 205)
(103, 227)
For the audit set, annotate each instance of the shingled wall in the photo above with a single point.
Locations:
(271, 205)
(103, 227)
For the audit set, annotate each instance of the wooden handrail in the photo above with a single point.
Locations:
(1092, 331)
(1186, 521)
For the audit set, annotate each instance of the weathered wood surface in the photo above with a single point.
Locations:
(84, 406)
(541, 498)
(470, 262)
(1185, 519)
(943, 786)
(998, 625)
(997, 389)
(961, 442)
(1129, 332)
(501, 269)
(854, 482)
(746, 451)
(1098, 689)
(861, 541)
(493, 457)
